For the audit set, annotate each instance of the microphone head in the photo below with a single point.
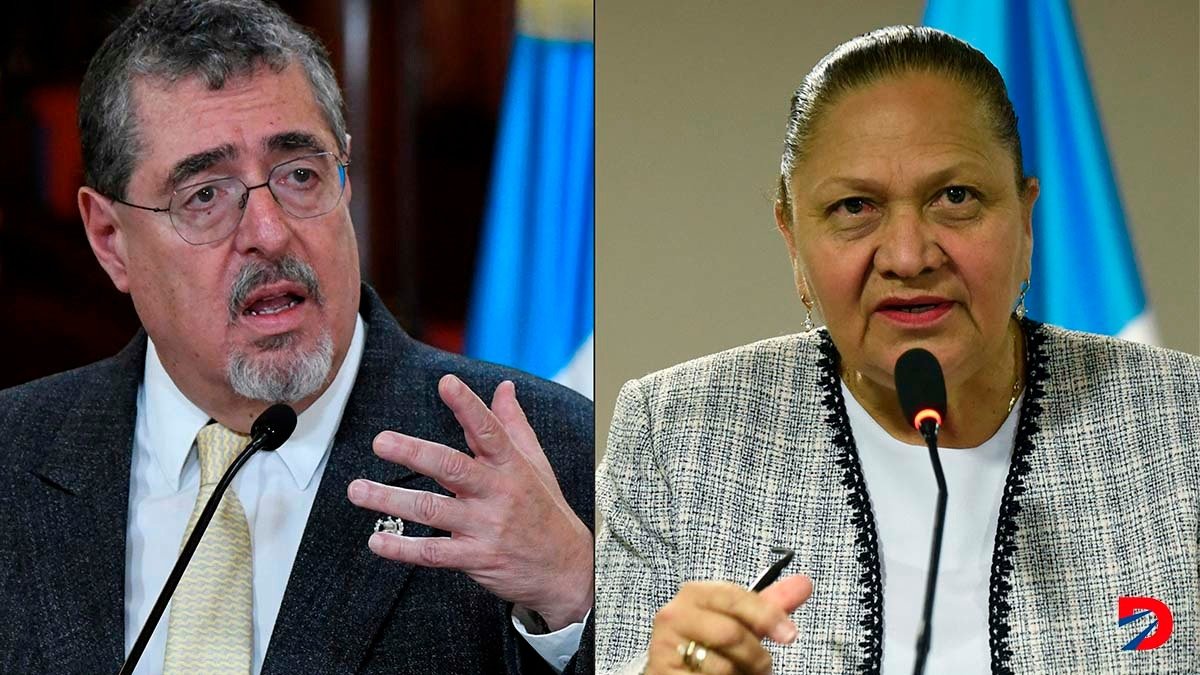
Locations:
(920, 386)
(274, 426)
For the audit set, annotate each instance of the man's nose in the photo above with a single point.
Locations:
(265, 229)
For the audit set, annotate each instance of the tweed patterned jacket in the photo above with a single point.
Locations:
(713, 461)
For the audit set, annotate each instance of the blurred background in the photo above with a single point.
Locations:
(692, 99)
(425, 83)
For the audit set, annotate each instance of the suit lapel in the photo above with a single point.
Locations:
(78, 513)
(339, 592)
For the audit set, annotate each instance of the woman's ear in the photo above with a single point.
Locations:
(784, 225)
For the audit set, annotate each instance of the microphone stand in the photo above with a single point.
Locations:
(929, 429)
(185, 556)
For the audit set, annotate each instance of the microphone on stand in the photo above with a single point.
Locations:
(268, 432)
(922, 392)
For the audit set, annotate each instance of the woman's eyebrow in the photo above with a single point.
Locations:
(863, 184)
(856, 183)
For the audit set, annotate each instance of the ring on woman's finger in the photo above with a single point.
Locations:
(693, 655)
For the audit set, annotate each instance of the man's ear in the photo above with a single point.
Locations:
(105, 235)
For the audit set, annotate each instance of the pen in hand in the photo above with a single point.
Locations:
(785, 596)
(771, 574)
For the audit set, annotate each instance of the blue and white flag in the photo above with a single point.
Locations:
(532, 304)
(1085, 274)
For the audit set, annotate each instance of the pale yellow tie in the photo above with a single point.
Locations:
(210, 628)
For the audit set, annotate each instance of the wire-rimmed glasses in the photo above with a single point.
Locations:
(305, 187)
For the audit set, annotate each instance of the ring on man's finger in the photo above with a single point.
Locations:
(693, 655)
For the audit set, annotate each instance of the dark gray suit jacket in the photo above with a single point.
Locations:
(66, 442)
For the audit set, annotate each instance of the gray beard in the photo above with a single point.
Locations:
(280, 378)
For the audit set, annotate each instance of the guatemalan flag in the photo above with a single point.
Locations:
(1084, 272)
(532, 305)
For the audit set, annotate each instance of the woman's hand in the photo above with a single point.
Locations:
(727, 622)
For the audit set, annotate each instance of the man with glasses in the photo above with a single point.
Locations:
(305, 187)
(217, 196)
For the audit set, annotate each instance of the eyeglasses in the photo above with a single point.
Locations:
(305, 187)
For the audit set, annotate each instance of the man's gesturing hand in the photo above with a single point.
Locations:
(511, 529)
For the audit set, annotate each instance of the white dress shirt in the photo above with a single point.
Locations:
(903, 495)
(276, 490)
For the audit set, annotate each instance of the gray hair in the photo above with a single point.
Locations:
(276, 378)
(266, 375)
(891, 51)
(170, 40)
(258, 272)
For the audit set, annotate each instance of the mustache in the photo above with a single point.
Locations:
(258, 273)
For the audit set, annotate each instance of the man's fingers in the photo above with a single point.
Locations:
(788, 593)
(512, 416)
(486, 435)
(439, 511)
(423, 551)
(456, 471)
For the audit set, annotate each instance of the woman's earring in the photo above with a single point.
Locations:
(808, 322)
(1020, 310)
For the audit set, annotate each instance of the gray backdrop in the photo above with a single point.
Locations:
(691, 99)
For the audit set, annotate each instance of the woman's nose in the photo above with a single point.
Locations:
(907, 245)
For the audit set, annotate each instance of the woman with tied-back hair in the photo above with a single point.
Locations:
(1070, 458)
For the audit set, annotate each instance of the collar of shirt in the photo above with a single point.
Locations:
(172, 421)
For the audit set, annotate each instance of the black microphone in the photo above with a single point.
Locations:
(268, 432)
(274, 426)
(922, 392)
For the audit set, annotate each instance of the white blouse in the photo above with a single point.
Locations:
(903, 495)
